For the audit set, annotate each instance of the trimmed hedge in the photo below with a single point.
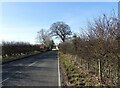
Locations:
(19, 48)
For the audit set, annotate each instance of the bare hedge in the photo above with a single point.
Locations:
(18, 48)
(99, 49)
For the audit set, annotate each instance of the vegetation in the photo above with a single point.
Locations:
(74, 74)
(88, 59)
(97, 51)
(44, 38)
(60, 30)
(15, 49)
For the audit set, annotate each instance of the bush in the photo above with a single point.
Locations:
(98, 49)
(18, 48)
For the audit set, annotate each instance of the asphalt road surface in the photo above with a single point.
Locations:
(38, 70)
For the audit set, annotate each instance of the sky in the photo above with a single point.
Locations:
(20, 21)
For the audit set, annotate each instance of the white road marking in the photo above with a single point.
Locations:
(4, 80)
(32, 63)
(59, 81)
(18, 72)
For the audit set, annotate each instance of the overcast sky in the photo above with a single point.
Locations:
(22, 20)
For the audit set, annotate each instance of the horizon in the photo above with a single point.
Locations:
(22, 20)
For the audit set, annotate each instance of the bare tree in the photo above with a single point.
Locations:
(44, 38)
(60, 30)
(41, 36)
(98, 49)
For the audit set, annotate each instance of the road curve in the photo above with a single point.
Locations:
(38, 70)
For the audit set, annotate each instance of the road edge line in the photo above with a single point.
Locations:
(59, 80)
(4, 80)
(32, 63)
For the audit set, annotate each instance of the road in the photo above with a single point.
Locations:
(38, 70)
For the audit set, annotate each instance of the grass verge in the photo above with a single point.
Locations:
(75, 75)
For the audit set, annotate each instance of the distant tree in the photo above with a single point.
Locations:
(41, 36)
(44, 38)
(60, 30)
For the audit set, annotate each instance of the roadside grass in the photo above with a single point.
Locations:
(75, 74)
(71, 72)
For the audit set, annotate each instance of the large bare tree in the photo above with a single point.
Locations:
(60, 30)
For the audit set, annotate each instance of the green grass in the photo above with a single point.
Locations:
(72, 73)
